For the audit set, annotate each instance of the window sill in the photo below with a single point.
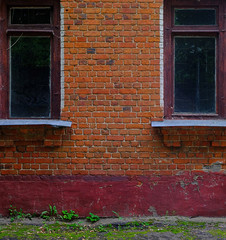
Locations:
(50, 122)
(189, 123)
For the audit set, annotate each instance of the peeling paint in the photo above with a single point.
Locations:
(139, 184)
(184, 185)
(187, 194)
(105, 186)
(215, 167)
(196, 177)
(152, 210)
(153, 184)
(195, 183)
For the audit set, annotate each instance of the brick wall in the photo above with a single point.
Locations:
(117, 149)
(112, 78)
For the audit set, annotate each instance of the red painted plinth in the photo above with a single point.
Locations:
(188, 194)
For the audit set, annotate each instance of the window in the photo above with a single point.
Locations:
(195, 59)
(30, 59)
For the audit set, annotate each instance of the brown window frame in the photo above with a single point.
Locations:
(51, 30)
(218, 31)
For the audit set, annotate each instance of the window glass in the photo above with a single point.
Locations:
(195, 17)
(30, 76)
(30, 15)
(194, 79)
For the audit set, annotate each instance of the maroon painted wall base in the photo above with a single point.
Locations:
(187, 194)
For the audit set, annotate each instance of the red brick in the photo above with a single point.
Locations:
(111, 94)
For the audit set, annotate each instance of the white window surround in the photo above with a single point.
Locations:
(62, 32)
(189, 123)
(32, 122)
(161, 44)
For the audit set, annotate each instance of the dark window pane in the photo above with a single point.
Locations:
(195, 17)
(30, 77)
(30, 15)
(194, 85)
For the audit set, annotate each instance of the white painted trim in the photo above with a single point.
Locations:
(189, 123)
(19, 122)
(161, 47)
(62, 32)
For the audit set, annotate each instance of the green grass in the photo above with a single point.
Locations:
(46, 231)
(218, 233)
(183, 230)
(124, 234)
(192, 224)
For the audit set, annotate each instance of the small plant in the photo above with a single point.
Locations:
(117, 215)
(101, 228)
(93, 218)
(68, 216)
(53, 210)
(49, 214)
(45, 215)
(75, 226)
(46, 227)
(14, 214)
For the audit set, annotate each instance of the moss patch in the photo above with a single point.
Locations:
(218, 233)
(133, 230)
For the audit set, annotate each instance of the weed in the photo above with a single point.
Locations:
(45, 215)
(117, 215)
(14, 214)
(45, 226)
(148, 223)
(101, 228)
(93, 218)
(75, 226)
(138, 224)
(52, 213)
(53, 210)
(68, 216)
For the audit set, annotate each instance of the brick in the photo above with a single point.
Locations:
(111, 92)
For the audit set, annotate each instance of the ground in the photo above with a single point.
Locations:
(153, 228)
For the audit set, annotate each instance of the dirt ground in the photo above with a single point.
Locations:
(154, 228)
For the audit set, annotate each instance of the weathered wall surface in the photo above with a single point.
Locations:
(197, 194)
(111, 159)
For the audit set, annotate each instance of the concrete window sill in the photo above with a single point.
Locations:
(189, 123)
(24, 122)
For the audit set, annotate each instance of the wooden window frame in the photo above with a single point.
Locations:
(51, 30)
(218, 31)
